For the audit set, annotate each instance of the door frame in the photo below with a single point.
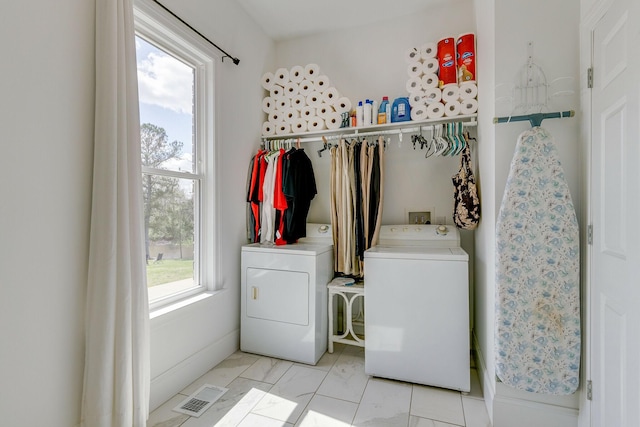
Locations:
(588, 22)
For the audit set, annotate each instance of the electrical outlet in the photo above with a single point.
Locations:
(420, 217)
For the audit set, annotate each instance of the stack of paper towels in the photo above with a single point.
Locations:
(301, 99)
(430, 100)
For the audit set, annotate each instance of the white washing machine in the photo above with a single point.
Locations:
(417, 306)
(283, 297)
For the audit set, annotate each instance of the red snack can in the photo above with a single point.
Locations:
(447, 61)
(466, 57)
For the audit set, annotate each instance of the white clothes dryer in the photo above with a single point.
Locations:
(283, 297)
(417, 307)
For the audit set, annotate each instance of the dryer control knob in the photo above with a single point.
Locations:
(442, 229)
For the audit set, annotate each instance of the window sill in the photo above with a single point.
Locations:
(165, 310)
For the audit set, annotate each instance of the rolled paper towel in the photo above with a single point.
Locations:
(322, 83)
(267, 81)
(276, 116)
(435, 110)
(414, 84)
(325, 110)
(268, 128)
(333, 121)
(430, 66)
(468, 106)
(308, 112)
(416, 98)
(268, 104)
(429, 80)
(291, 115)
(276, 91)
(428, 50)
(432, 94)
(412, 55)
(299, 125)
(419, 113)
(311, 72)
(296, 74)
(298, 101)
(446, 61)
(283, 128)
(468, 90)
(291, 89)
(283, 104)
(314, 99)
(414, 69)
(452, 109)
(316, 123)
(281, 76)
(330, 96)
(450, 93)
(343, 105)
(306, 87)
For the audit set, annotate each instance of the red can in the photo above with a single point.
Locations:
(466, 57)
(447, 61)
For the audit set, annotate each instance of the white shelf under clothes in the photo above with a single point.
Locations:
(384, 129)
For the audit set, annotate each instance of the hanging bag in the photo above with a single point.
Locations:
(466, 209)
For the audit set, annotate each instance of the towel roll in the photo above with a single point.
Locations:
(417, 98)
(281, 76)
(450, 93)
(429, 80)
(306, 87)
(268, 128)
(412, 55)
(283, 128)
(276, 117)
(432, 94)
(299, 125)
(435, 110)
(322, 83)
(276, 91)
(296, 73)
(413, 84)
(291, 115)
(291, 89)
(419, 113)
(298, 101)
(414, 69)
(267, 81)
(428, 50)
(430, 66)
(324, 110)
(468, 106)
(343, 105)
(283, 104)
(452, 109)
(468, 90)
(308, 112)
(316, 123)
(333, 121)
(330, 96)
(311, 72)
(314, 99)
(268, 104)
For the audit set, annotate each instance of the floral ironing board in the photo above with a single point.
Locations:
(537, 273)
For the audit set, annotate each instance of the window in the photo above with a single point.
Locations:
(175, 85)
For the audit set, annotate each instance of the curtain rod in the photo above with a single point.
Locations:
(535, 119)
(234, 59)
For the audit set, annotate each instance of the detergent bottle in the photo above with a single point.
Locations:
(383, 112)
(401, 110)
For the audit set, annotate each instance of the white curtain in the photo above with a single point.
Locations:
(116, 376)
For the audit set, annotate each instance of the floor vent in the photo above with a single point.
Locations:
(196, 404)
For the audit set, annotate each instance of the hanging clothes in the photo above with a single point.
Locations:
(537, 273)
(466, 210)
(357, 178)
(280, 187)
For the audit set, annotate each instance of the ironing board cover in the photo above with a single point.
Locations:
(537, 273)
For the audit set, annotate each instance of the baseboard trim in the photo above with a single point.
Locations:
(488, 387)
(170, 382)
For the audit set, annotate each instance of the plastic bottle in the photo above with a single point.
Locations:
(374, 112)
(367, 113)
(387, 109)
(359, 115)
(401, 110)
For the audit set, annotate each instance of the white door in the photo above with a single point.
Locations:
(615, 205)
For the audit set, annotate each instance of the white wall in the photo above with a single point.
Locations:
(189, 341)
(46, 118)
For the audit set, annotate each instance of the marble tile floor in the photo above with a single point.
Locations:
(265, 392)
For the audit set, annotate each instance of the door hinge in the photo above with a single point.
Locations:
(589, 390)
(590, 77)
(590, 234)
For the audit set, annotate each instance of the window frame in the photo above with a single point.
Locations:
(167, 33)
